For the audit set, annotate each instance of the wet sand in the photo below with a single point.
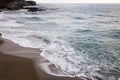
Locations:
(13, 67)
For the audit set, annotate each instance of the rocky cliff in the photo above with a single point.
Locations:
(15, 4)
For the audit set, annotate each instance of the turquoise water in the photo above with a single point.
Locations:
(80, 39)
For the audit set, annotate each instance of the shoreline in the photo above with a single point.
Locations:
(13, 67)
(29, 60)
(32, 58)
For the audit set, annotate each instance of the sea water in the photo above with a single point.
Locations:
(80, 39)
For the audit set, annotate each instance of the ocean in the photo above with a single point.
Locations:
(79, 39)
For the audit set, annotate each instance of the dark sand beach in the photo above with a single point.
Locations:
(13, 67)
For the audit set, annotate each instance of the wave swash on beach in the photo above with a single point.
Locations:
(79, 39)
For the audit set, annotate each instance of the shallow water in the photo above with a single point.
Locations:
(80, 39)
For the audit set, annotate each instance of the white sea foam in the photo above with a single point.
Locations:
(10, 23)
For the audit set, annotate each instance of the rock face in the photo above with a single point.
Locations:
(30, 3)
(19, 4)
(11, 4)
(34, 8)
(15, 4)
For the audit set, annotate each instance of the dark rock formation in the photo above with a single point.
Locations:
(0, 34)
(34, 8)
(14, 4)
(30, 3)
(19, 4)
(11, 4)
